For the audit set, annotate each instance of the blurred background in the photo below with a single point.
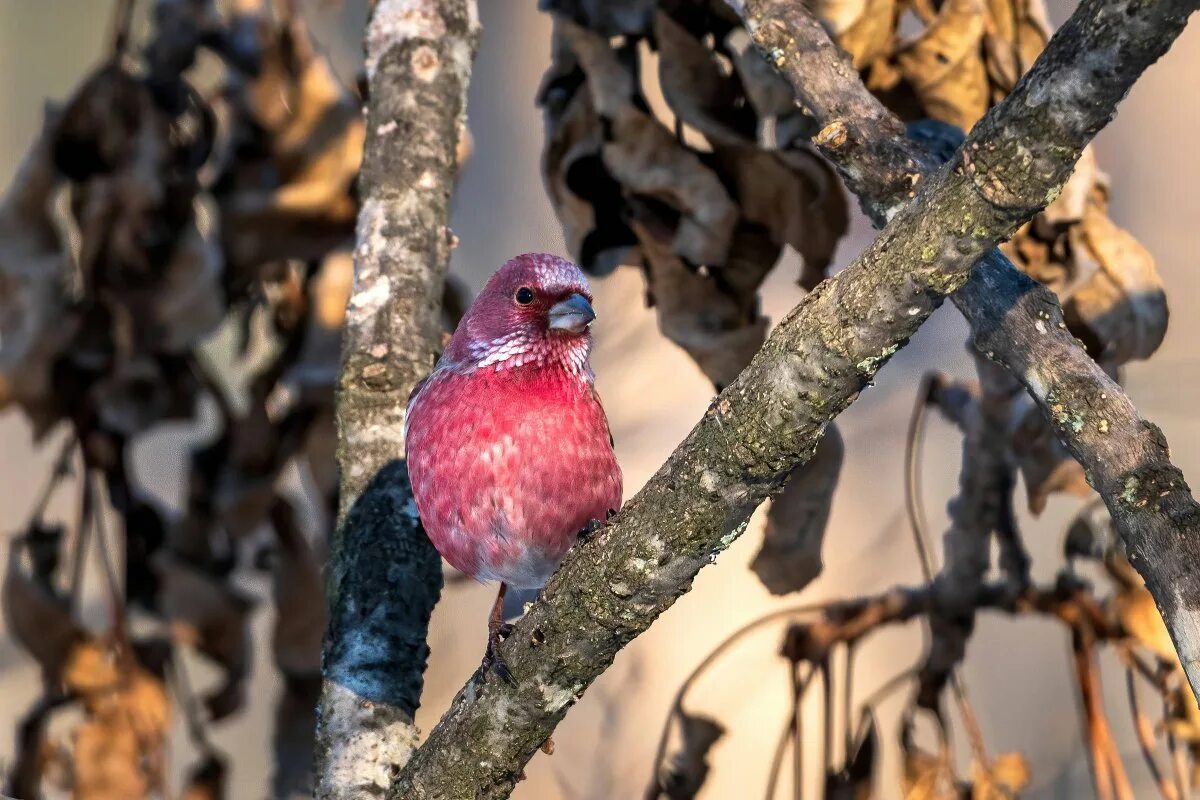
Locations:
(1017, 669)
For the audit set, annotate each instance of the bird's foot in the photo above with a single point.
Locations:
(592, 526)
(548, 746)
(492, 662)
(504, 631)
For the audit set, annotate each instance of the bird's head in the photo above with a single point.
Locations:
(535, 311)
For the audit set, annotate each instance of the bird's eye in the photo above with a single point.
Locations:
(524, 295)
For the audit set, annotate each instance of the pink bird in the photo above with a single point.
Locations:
(509, 450)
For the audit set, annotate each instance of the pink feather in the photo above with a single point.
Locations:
(508, 447)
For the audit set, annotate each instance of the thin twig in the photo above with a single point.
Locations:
(654, 789)
(1145, 736)
(121, 20)
(914, 501)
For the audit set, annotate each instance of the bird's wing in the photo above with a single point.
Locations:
(412, 400)
(603, 416)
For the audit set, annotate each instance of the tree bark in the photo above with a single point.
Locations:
(1014, 320)
(612, 586)
(384, 575)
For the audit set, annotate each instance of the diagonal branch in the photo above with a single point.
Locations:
(1015, 320)
(820, 356)
(384, 575)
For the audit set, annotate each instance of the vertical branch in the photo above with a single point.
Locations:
(384, 576)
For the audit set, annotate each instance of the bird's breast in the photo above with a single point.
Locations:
(505, 475)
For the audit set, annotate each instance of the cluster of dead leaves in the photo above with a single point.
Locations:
(166, 243)
(702, 194)
(952, 62)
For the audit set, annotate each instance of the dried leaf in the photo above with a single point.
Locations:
(857, 778)
(926, 776)
(1122, 302)
(211, 615)
(1136, 610)
(699, 93)
(1046, 466)
(944, 68)
(608, 17)
(684, 774)
(864, 28)
(119, 748)
(299, 594)
(207, 779)
(790, 557)
(1007, 775)
(36, 615)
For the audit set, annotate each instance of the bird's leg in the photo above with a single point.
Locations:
(496, 634)
(592, 526)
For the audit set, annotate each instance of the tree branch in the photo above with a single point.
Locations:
(1014, 320)
(384, 575)
(820, 356)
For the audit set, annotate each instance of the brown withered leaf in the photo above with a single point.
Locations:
(37, 616)
(608, 17)
(212, 616)
(682, 777)
(1136, 610)
(796, 197)
(296, 199)
(1122, 303)
(927, 776)
(1003, 779)
(207, 779)
(790, 556)
(34, 324)
(856, 779)
(586, 198)
(118, 750)
(714, 327)
(866, 29)
(943, 66)
(299, 594)
(1046, 466)
(699, 93)
(1014, 36)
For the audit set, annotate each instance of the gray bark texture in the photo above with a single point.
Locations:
(1014, 320)
(612, 586)
(384, 575)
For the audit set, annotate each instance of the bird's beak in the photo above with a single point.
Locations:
(573, 314)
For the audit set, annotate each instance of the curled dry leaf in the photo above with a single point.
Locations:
(685, 770)
(926, 776)
(37, 616)
(33, 276)
(212, 616)
(118, 750)
(965, 58)
(296, 199)
(1046, 466)
(856, 779)
(705, 212)
(1003, 779)
(790, 556)
(298, 590)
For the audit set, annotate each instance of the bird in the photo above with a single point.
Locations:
(509, 452)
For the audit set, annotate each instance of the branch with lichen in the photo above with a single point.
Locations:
(612, 586)
(1014, 320)
(384, 575)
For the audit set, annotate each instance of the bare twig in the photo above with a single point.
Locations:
(1145, 736)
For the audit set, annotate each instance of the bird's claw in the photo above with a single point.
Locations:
(591, 527)
(492, 662)
(504, 631)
